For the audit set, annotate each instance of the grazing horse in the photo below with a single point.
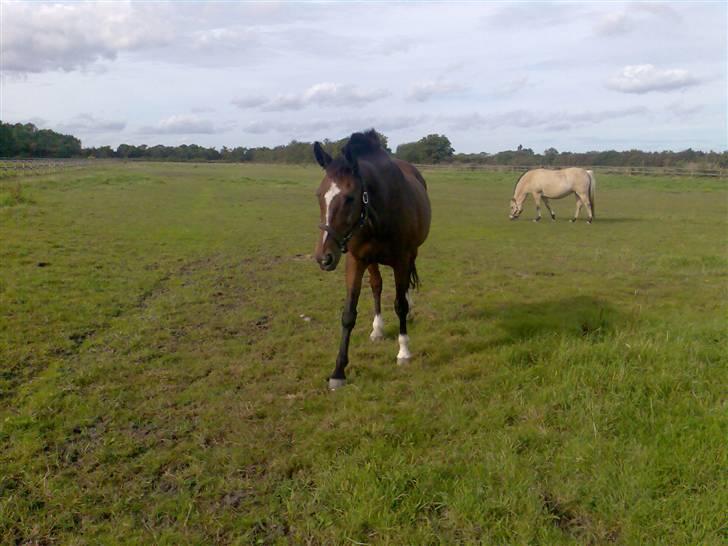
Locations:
(554, 184)
(374, 209)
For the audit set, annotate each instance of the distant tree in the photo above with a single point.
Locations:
(430, 149)
(550, 155)
(26, 140)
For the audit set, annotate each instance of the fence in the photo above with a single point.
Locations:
(33, 166)
(627, 171)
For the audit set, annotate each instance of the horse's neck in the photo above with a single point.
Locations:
(520, 193)
(384, 198)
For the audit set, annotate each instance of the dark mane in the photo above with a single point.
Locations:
(361, 144)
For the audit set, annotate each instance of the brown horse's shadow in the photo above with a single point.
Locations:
(579, 317)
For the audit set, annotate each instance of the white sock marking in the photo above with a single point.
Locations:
(377, 328)
(404, 352)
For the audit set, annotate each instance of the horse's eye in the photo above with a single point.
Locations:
(349, 200)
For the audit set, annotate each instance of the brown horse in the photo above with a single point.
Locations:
(374, 209)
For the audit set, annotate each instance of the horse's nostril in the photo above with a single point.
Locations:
(327, 259)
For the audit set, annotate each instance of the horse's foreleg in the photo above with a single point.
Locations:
(375, 281)
(578, 208)
(354, 274)
(548, 206)
(537, 200)
(401, 307)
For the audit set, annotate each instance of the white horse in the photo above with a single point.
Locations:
(554, 184)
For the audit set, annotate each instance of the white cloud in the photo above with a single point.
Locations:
(252, 101)
(182, 124)
(527, 15)
(425, 90)
(550, 121)
(323, 128)
(42, 37)
(660, 9)
(614, 23)
(87, 123)
(683, 111)
(644, 78)
(511, 87)
(324, 94)
(641, 14)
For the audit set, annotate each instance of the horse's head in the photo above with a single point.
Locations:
(341, 201)
(516, 209)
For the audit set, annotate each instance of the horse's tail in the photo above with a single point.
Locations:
(414, 280)
(592, 189)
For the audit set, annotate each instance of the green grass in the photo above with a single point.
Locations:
(158, 384)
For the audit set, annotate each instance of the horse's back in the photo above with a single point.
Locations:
(415, 195)
(410, 171)
(556, 183)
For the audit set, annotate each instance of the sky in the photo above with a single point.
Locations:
(575, 76)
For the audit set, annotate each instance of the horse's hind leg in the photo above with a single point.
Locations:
(584, 199)
(401, 307)
(375, 281)
(411, 304)
(588, 205)
(578, 208)
(537, 200)
(548, 206)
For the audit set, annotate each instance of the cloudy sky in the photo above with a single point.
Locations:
(575, 76)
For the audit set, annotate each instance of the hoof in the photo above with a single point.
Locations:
(572, 220)
(376, 336)
(537, 219)
(403, 361)
(336, 383)
(588, 221)
(553, 218)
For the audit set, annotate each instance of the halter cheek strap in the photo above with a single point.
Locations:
(344, 241)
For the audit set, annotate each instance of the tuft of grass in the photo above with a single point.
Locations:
(14, 195)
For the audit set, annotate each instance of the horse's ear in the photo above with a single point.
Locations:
(322, 158)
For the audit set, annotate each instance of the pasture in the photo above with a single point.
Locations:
(165, 339)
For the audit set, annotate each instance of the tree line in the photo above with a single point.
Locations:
(26, 140)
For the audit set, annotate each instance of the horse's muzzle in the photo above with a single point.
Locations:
(328, 262)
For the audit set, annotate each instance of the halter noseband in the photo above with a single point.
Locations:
(344, 241)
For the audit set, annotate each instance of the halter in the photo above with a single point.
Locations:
(343, 241)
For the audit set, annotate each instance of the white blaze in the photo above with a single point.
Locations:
(332, 192)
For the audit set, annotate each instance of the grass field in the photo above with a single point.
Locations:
(158, 383)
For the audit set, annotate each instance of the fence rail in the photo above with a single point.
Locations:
(32, 166)
(627, 171)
